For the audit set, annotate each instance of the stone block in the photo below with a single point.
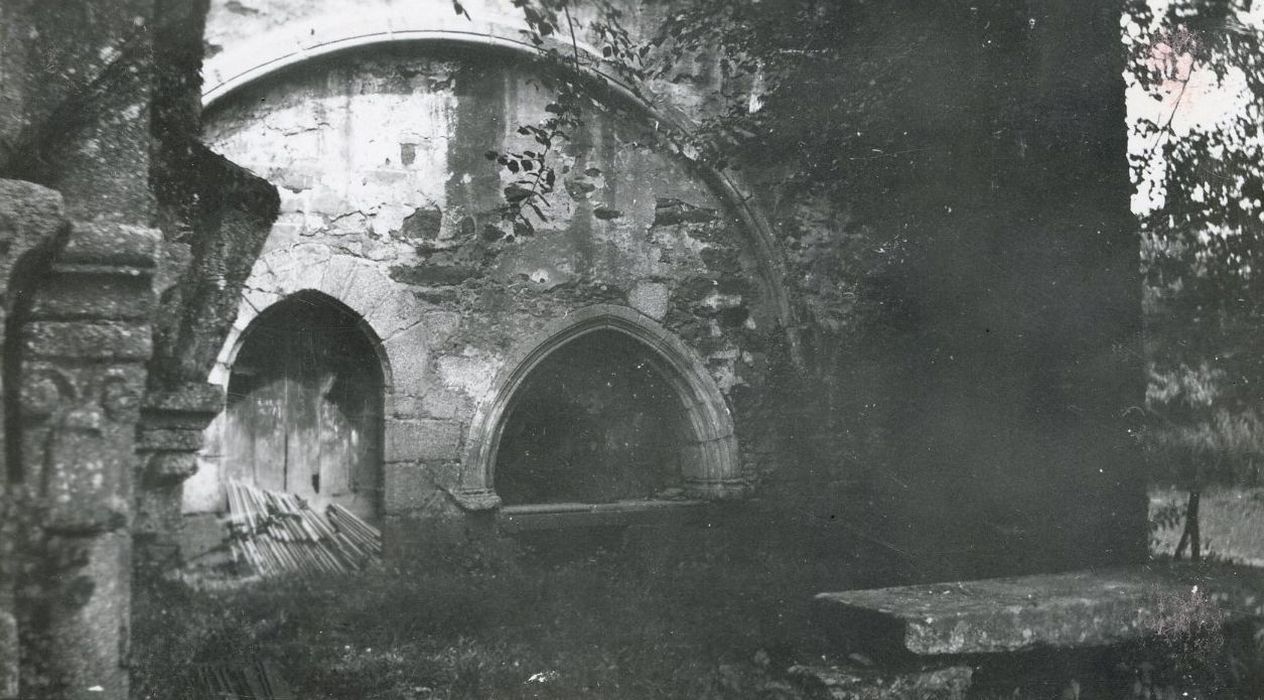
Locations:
(440, 403)
(109, 340)
(340, 274)
(366, 292)
(375, 249)
(108, 243)
(203, 491)
(155, 439)
(67, 297)
(170, 467)
(174, 258)
(29, 209)
(257, 300)
(471, 372)
(45, 386)
(404, 406)
(193, 399)
(418, 440)
(422, 225)
(409, 357)
(440, 326)
(393, 311)
(650, 298)
(409, 489)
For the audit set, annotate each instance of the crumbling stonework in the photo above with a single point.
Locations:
(389, 206)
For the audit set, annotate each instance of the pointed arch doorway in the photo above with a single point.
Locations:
(305, 405)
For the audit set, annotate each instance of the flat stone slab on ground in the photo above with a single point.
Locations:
(549, 516)
(1067, 610)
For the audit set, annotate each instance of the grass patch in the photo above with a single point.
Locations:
(610, 625)
(714, 613)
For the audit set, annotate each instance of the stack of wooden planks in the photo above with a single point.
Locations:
(258, 680)
(279, 534)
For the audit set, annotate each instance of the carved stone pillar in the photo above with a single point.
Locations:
(82, 338)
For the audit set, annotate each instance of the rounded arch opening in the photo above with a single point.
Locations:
(305, 405)
(560, 397)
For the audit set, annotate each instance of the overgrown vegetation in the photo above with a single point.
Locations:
(1201, 187)
(624, 622)
(597, 626)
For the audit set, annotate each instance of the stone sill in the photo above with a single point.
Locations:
(549, 516)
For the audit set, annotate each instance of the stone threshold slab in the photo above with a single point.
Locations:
(547, 516)
(1078, 609)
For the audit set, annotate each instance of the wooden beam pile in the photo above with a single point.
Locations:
(279, 534)
(258, 680)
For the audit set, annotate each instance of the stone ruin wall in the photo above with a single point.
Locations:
(108, 187)
(388, 205)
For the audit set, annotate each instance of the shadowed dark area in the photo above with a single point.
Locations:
(594, 422)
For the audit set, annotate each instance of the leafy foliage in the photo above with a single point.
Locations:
(1201, 251)
(549, 26)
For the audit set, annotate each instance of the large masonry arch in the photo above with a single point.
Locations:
(711, 468)
(258, 56)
